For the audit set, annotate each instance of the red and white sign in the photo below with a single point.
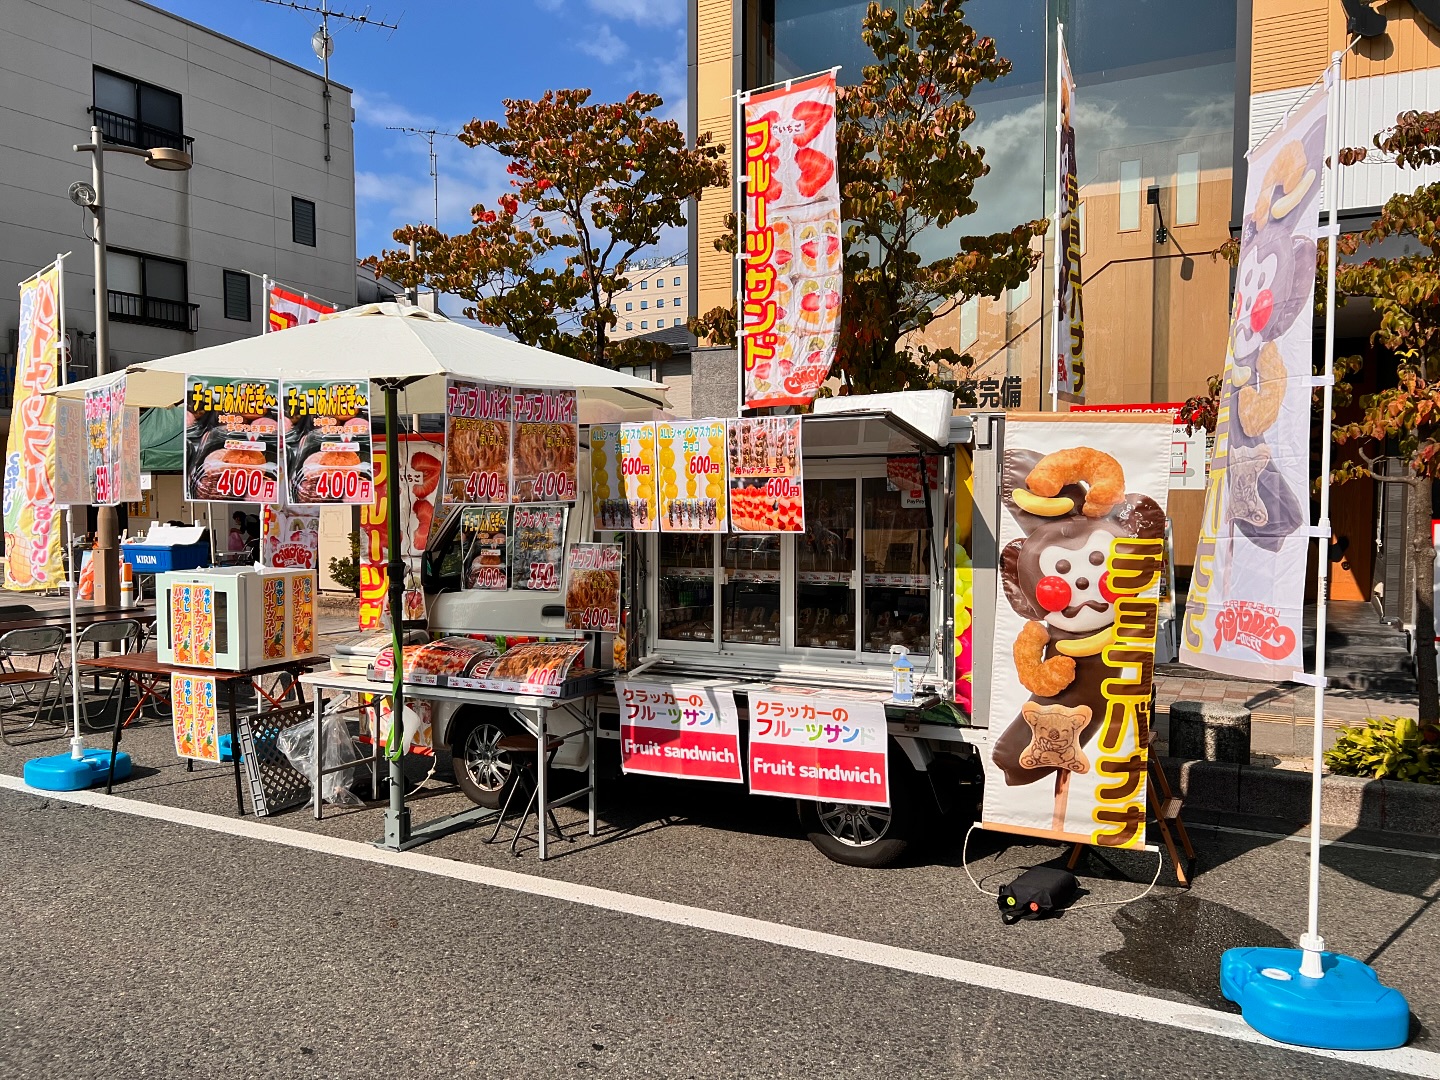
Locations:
(818, 748)
(674, 729)
(286, 308)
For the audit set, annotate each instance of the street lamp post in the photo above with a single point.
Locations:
(167, 159)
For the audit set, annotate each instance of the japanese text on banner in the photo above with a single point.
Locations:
(327, 442)
(818, 748)
(677, 729)
(232, 440)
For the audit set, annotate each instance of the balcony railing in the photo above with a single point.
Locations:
(150, 311)
(127, 131)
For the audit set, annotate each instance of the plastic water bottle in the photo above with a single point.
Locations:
(903, 672)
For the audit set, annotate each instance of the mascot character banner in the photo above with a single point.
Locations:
(1082, 540)
(1243, 612)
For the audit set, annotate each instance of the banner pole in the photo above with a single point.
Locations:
(264, 303)
(739, 201)
(1312, 943)
(72, 581)
(1053, 367)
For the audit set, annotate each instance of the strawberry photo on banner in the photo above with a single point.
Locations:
(793, 257)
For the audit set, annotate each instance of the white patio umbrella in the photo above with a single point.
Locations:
(401, 349)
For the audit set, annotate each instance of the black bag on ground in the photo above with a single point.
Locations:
(1037, 892)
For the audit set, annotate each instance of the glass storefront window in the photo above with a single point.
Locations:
(896, 543)
(750, 598)
(825, 567)
(687, 587)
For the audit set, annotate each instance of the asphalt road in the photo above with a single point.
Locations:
(137, 947)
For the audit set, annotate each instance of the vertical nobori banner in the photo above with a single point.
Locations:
(792, 283)
(1068, 344)
(1243, 611)
(32, 529)
(1082, 540)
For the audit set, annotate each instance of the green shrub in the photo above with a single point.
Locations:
(1388, 748)
(346, 571)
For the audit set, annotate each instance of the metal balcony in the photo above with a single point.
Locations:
(127, 131)
(151, 311)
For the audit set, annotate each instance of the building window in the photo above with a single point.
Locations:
(644, 325)
(1016, 297)
(644, 284)
(644, 304)
(148, 289)
(237, 295)
(1187, 189)
(660, 301)
(1080, 218)
(969, 322)
(302, 221)
(629, 306)
(659, 324)
(629, 326)
(134, 113)
(1129, 196)
(677, 283)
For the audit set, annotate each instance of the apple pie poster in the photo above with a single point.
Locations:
(793, 258)
(1247, 593)
(1082, 535)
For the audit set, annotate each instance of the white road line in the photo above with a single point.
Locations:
(1413, 1062)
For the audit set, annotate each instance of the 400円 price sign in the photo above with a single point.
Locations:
(819, 748)
(678, 729)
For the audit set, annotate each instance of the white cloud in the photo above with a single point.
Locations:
(604, 46)
(645, 12)
(377, 109)
(549, 5)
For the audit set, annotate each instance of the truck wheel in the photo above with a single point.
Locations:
(866, 836)
(484, 773)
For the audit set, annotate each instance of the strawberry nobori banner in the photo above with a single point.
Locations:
(1243, 611)
(1082, 535)
(285, 308)
(792, 280)
(32, 527)
(420, 480)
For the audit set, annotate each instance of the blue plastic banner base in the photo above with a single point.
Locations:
(1347, 1009)
(61, 772)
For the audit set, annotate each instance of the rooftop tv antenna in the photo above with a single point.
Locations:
(429, 134)
(323, 42)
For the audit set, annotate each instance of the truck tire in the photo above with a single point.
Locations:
(866, 836)
(483, 773)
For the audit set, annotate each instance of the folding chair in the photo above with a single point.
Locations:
(36, 644)
(127, 635)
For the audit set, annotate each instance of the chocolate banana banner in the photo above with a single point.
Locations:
(793, 257)
(1082, 538)
(1247, 593)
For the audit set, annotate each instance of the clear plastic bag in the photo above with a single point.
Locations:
(297, 743)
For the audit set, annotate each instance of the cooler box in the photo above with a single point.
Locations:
(235, 619)
(168, 547)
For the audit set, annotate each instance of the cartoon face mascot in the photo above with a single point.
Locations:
(1274, 284)
(1071, 505)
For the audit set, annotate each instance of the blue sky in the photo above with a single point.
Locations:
(449, 62)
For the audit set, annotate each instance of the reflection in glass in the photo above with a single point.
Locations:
(824, 567)
(750, 599)
(687, 587)
(896, 544)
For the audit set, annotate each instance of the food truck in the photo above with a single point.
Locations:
(888, 558)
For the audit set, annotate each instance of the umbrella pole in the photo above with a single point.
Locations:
(397, 817)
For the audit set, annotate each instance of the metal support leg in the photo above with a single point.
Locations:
(315, 777)
(115, 735)
(542, 779)
(235, 747)
(594, 724)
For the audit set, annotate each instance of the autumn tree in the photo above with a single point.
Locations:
(1404, 290)
(906, 171)
(594, 185)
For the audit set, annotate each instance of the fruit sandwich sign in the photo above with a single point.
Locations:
(793, 259)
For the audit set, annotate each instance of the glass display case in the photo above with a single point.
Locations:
(825, 568)
(896, 539)
(750, 600)
(687, 587)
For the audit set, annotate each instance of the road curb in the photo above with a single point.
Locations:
(1346, 801)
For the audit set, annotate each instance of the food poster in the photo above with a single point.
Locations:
(818, 748)
(33, 557)
(793, 249)
(328, 456)
(194, 717)
(423, 455)
(302, 619)
(131, 485)
(592, 587)
(477, 443)
(691, 462)
(1082, 536)
(623, 471)
(484, 548)
(546, 451)
(232, 440)
(182, 623)
(272, 612)
(537, 546)
(679, 729)
(964, 571)
(538, 667)
(1243, 613)
(72, 454)
(765, 487)
(104, 407)
(290, 537)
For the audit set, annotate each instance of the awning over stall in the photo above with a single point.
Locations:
(162, 439)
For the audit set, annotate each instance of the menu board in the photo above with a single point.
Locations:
(328, 456)
(232, 440)
(484, 544)
(537, 545)
(192, 624)
(477, 443)
(765, 488)
(592, 587)
(546, 446)
(622, 477)
(692, 476)
(194, 717)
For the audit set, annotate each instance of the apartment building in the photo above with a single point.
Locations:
(658, 298)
